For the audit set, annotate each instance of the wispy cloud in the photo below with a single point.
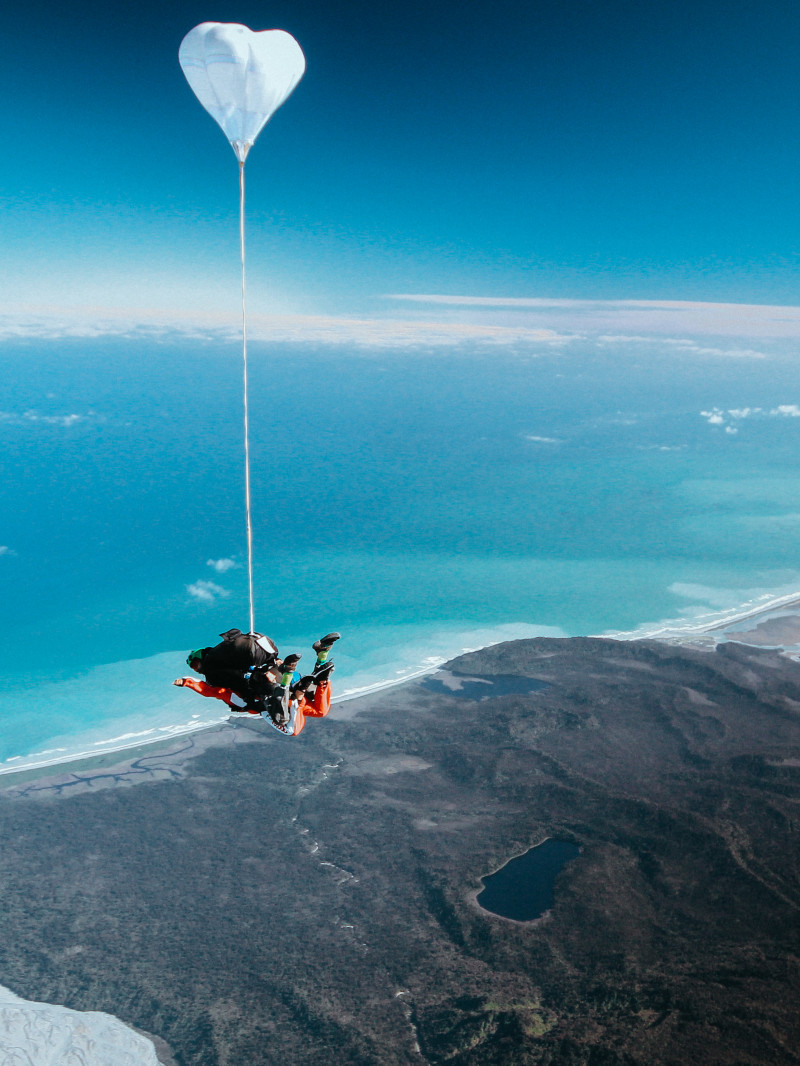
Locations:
(635, 320)
(420, 321)
(206, 592)
(542, 440)
(661, 447)
(681, 345)
(221, 565)
(5, 550)
(716, 416)
(362, 333)
(18, 418)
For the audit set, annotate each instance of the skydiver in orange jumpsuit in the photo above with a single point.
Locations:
(285, 704)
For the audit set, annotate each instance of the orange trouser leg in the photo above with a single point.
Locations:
(321, 704)
(300, 713)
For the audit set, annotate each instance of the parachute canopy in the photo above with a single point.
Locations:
(240, 77)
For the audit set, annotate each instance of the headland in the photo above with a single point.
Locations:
(259, 899)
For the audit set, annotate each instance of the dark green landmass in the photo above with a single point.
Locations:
(257, 900)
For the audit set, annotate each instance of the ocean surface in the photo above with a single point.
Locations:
(422, 502)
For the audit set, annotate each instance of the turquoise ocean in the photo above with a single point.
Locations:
(420, 501)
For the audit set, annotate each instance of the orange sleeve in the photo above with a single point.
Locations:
(205, 689)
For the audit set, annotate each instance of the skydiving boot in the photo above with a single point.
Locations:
(323, 646)
(323, 671)
(305, 687)
(288, 669)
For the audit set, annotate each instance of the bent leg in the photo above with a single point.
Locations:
(321, 703)
(298, 719)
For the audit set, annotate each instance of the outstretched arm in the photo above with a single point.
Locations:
(236, 703)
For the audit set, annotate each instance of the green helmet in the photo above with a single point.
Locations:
(190, 658)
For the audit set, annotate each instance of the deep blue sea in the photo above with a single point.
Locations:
(419, 501)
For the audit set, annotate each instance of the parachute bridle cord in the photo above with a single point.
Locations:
(241, 78)
(246, 409)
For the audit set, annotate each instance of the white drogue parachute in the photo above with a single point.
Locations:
(240, 77)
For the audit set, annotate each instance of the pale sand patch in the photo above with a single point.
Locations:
(167, 761)
(698, 699)
(456, 682)
(772, 632)
(393, 764)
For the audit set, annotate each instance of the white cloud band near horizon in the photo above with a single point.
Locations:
(89, 323)
(640, 316)
(535, 323)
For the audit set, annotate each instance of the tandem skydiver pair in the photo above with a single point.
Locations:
(246, 672)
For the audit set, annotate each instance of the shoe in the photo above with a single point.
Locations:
(284, 702)
(291, 661)
(323, 671)
(325, 642)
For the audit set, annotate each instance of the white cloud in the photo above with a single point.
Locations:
(744, 412)
(713, 417)
(206, 592)
(661, 447)
(278, 328)
(684, 345)
(16, 419)
(5, 550)
(542, 440)
(717, 417)
(221, 565)
(435, 321)
(32, 1031)
(640, 317)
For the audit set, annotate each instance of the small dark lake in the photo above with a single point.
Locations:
(523, 888)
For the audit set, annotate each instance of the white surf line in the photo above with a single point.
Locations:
(423, 671)
(380, 686)
(97, 752)
(711, 622)
(112, 747)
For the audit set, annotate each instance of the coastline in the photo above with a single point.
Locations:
(713, 628)
(646, 737)
(127, 752)
(133, 745)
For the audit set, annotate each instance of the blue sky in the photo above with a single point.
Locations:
(459, 206)
(572, 149)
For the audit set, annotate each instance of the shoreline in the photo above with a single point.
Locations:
(675, 631)
(178, 733)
